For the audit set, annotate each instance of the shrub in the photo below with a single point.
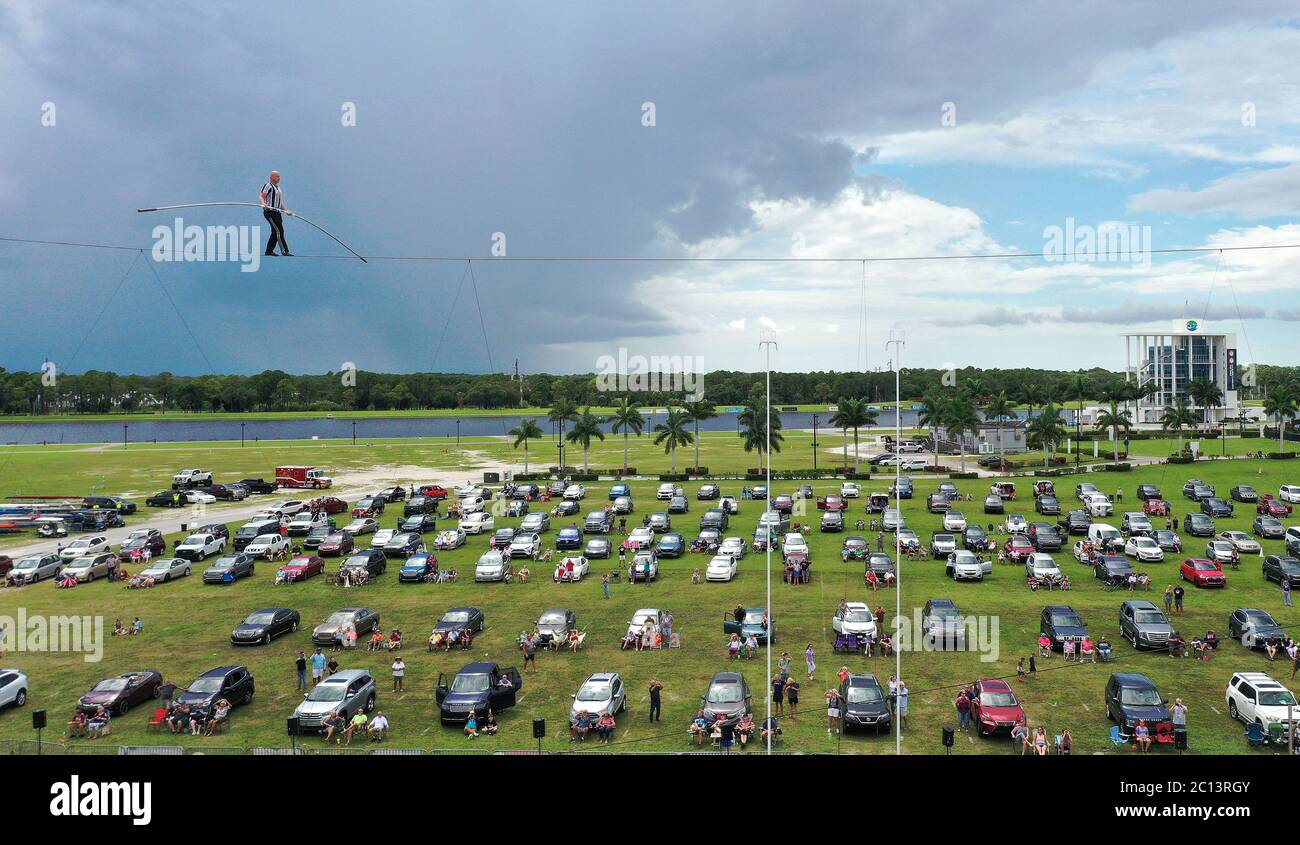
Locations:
(1281, 456)
(963, 476)
(670, 477)
(1181, 458)
(1121, 467)
(697, 470)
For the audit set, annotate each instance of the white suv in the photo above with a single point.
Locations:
(1289, 493)
(1255, 697)
(666, 491)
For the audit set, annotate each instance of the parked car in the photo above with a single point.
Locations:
(660, 522)
(229, 567)
(864, 705)
(1059, 621)
(671, 545)
(338, 543)
(416, 568)
(120, 693)
(1198, 525)
(993, 504)
(346, 692)
(598, 522)
(556, 624)
(1221, 551)
(1041, 565)
(200, 547)
(599, 547)
(1018, 548)
(623, 505)
(369, 506)
(264, 625)
(267, 546)
(1148, 491)
(832, 521)
(707, 492)
(601, 693)
(90, 567)
(1254, 697)
(363, 620)
(371, 561)
(1202, 572)
(1253, 627)
(477, 523)
(1144, 624)
(1136, 523)
(83, 547)
(854, 617)
(1111, 568)
(536, 523)
(477, 687)
(233, 683)
(1277, 567)
(625, 490)
(1144, 549)
(304, 521)
(1216, 507)
(1133, 698)
(727, 696)
(1243, 493)
(720, 568)
(644, 567)
(954, 521)
(1044, 537)
(1169, 541)
(1289, 493)
(29, 570)
(318, 534)
(1047, 505)
(303, 567)
(1155, 507)
(450, 538)
(1076, 522)
(419, 523)
(1273, 507)
(525, 545)
(995, 708)
(966, 567)
(13, 688)
(361, 525)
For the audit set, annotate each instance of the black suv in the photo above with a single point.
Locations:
(1047, 505)
(1133, 698)
(420, 505)
(1277, 567)
(373, 561)
(233, 683)
(1044, 537)
(1148, 491)
(715, 518)
(1075, 522)
(863, 704)
(975, 539)
(1198, 525)
(1059, 621)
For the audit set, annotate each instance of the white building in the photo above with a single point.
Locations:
(1170, 360)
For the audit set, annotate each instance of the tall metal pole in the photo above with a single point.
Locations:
(898, 343)
(814, 444)
(766, 342)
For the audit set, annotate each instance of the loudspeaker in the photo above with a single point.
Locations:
(539, 728)
(948, 737)
(293, 726)
(38, 720)
(1180, 740)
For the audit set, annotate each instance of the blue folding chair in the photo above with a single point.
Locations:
(1254, 735)
(1116, 737)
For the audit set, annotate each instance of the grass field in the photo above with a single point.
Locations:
(187, 624)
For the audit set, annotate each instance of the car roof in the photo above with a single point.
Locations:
(603, 676)
(994, 685)
(1057, 608)
(270, 609)
(453, 609)
(219, 672)
(481, 667)
(345, 675)
(728, 678)
(1132, 679)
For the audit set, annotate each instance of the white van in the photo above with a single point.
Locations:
(1099, 533)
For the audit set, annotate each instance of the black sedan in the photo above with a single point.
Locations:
(264, 625)
(1075, 522)
(864, 704)
(165, 499)
(419, 523)
(974, 538)
(1198, 525)
(461, 619)
(122, 692)
(1111, 568)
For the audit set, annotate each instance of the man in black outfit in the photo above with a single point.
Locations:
(272, 201)
(656, 688)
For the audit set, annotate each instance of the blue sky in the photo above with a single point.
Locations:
(817, 132)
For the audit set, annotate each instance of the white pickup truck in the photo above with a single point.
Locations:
(187, 478)
(200, 546)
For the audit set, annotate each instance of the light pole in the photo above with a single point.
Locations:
(898, 343)
(241, 435)
(124, 440)
(814, 444)
(457, 432)
(354, 432)
(766, 342)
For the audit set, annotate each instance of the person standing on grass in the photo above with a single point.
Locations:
(317, 666)
(778, 694)
(529, 646)
(1178, 599)
(1179, 715)
(1286, 592)
(1169, 599)
(399, 673)
(833, 705)
(783, 666)
(792, 697)
(604, 584)
(902, 705)
(301, 665)
(963, 711)
(656, 703)
(809, 658)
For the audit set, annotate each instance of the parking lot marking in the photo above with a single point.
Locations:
(1086, 707)
(1216, 710)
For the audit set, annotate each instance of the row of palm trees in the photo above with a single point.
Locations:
(680, 427)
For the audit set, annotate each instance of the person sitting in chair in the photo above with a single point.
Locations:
(220, 713)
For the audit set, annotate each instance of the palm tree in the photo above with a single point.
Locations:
(961, 418)
(527, 429)
(1206, 394)
(999, 409)
(853, 413)
(974, 388)
(1283, 404)
(562, 411)
(1033, 395)
(1079, 389)
(672, 433)
(1114, 419)
(585, 427)
(697, 412)
(1046, 430)
(931, 415)
(753, 428)
(626, 418)
(1177, 417)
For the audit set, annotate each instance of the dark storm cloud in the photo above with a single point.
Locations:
(472, 119)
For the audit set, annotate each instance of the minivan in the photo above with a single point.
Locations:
(252, 530)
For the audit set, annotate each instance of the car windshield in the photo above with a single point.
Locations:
(357, 560)
(470, 683)
(554, 617)
(111, 685)
(28, 563)
(260, 619)
(328, 692)
(863, 695)
(858, 616)
(1066, 620)
(725, 694)
(594, 691)
(457, 616)
(1150, 617)
(1205, 566)
(1280, 698)
(224, 563)
(997, 699)
(1140, 696)
(753, 617)
(206, 685)
(339, 619)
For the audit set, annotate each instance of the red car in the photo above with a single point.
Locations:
(1203, 572)
(1019, 548)
(303, 567)
(338, 543)
(995, 708)
(1272, 507)
(1155, 507)
(6, 564)
(832, 503)
(330, 504)
(431, 491)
